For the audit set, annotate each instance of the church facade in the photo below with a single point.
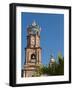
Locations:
(32, 51)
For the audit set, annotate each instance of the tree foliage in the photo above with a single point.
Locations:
(57, 68)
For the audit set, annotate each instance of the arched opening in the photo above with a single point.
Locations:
(33, 56)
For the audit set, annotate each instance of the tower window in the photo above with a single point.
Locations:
(33, 56)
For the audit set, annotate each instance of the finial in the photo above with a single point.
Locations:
(52, 59)
(51, 55)
(34, 23)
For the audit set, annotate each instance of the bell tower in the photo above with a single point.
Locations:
(32, 50)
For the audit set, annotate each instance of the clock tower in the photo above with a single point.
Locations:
(32, 50)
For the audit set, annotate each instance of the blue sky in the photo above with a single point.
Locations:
(51, 36)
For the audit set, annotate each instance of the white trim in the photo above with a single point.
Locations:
(20, 80)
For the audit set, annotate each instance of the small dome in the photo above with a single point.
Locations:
(52, 59)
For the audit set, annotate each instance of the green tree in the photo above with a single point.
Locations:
(52, 69)
(61, 64)
(57, 68)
